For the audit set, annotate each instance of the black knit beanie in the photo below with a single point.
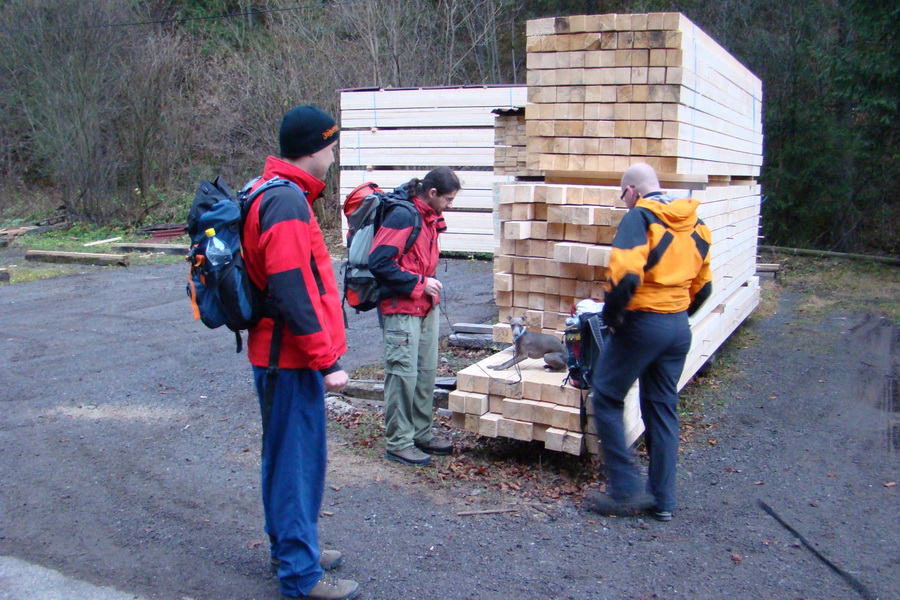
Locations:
(305, 130)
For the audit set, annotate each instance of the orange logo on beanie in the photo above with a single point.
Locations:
(329, 132)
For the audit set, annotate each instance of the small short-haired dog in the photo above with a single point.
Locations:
(528, 344)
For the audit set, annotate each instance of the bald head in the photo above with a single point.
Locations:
(642, 177)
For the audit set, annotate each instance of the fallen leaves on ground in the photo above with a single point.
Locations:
(521, 469)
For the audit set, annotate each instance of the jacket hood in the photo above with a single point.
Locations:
(678, 214)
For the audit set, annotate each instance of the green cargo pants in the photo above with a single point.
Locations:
(410, 366)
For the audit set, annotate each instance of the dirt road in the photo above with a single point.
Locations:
(130, 444)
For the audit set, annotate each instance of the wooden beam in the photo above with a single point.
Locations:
(77, 257)
(173, 249)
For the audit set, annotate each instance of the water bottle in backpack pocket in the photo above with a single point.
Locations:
(219, 287)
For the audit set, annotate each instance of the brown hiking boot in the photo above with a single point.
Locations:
(328, 560)
(337, 589)
(409, 456)
(436, 445)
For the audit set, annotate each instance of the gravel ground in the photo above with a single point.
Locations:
(130, 442)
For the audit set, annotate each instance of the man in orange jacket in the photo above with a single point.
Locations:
(286, 256)
(659, 274)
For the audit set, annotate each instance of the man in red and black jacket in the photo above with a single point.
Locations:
(285, 255)
(410, 311)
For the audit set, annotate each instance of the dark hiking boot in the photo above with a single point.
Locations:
(336, 589)
(606, 504)
(409, 456)
(436, 445)
(328, 560)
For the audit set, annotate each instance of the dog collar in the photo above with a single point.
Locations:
(521, 333)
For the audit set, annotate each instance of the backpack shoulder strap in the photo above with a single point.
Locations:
(596, 327)
(417, 223)
(416, 230)
(247, 198)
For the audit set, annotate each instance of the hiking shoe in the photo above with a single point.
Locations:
(409, 456)
(662, 515)
(337, 589)
(328, 560)
(436, 445)
(606, 504)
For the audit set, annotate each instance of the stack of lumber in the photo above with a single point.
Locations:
(510, 152)
(585, 124)
(606, 91)
(391, 136)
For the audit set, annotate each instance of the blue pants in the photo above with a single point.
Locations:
(293, 474)
(650, 347)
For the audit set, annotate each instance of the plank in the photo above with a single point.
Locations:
(445, 97)
(390, 178)
(412, 157)
(393, 139)
(476, 193)
(663, 165)
(479, 328)
(478, 116)
(99, 242)
(466, 242)
(172, 249)
(78, 257)
(469, 223)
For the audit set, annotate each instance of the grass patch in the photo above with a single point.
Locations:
(36, 271)
(73, 240)
(829, 284)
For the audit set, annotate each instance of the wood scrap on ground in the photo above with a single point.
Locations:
(172, 249)
(90, 258)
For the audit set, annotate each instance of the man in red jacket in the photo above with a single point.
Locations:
(294, 352)
(409, 307)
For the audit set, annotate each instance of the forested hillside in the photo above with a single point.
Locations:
(116, 108)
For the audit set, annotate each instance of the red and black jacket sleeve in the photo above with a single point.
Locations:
(384, 258)
(294, 281)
